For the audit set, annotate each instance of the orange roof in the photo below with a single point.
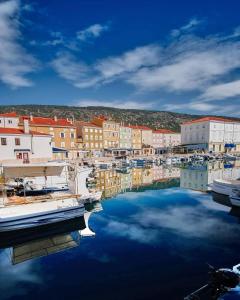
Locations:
(164, 131)
(14, 131)
(9, 114)
(47, 121)
(139, 127)
(206, 119)
(88, 124)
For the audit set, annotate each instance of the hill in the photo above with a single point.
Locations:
(154, 119)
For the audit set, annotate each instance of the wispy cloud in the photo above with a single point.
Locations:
(105, 70)
(93, 31)
(15, 61)
(222, 91)
(190, 26)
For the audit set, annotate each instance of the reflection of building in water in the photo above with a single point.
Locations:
(147, 176)
(109, 182)
(199, 177)
(137, 177)
(126, 181)
(163, 172)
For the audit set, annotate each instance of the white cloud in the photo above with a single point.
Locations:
(78, 73)
(191, 25)
(222, 91)
(92, 31)
(15, 62)
(105, 70)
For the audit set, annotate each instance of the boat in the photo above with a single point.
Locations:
(235, 197)
(21, 212)
(224, 187)
(230, 157)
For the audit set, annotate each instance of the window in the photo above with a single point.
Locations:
(3, 141)
(72, 144)
(72, 135)
(62, 144)
(86, 129)
(17, 141)
(62, 134)
(9, 121)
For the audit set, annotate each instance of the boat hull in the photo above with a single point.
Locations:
(16, 237)
(39, 219)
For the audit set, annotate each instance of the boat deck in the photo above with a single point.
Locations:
(17, 200)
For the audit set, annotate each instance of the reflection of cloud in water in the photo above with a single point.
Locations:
(188, 221)
(132, 231)
(13, 277)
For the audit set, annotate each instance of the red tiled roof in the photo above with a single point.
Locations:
(88, 124)
(4, 130)
(208, 119)
(139, 127)
(47, 121)
(9, 114)
(164, 131)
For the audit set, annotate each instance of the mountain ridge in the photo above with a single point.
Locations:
(152, 118)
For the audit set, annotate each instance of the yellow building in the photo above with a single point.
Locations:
(89, 137)
(110, 131)
(63, 134)
(136, 139)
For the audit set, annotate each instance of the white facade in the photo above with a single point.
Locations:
(9, 121)
(125, 137)
(19, 147)
(147, 137)
(164, 139)
(215, 133)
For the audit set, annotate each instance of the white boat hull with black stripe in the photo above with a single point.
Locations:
(41, 213)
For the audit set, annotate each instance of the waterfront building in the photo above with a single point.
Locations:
(89, 138)
(110, 131)
(211, 134)
(24, 145)
(63, 134)
(136, 140)
(164, 139)
(125, 137)
(9, 120)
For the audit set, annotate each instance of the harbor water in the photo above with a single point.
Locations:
(150, 237)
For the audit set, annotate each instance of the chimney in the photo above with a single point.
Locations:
(26, 126)
(55, 118)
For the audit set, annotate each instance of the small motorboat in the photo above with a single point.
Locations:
(235, 197)
(225, 187)
(228, 156)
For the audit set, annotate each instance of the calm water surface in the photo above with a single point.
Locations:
(152, 242)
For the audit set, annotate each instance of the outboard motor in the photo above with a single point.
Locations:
(220, 282)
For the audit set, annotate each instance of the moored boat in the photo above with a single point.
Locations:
(224, 187)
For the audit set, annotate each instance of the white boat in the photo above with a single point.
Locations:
(30, 211)
(224, 187)
(235, 197)
(228, 156)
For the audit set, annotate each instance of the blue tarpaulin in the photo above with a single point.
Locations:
(230, 145)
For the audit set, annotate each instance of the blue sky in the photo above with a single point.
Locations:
(181, 56)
